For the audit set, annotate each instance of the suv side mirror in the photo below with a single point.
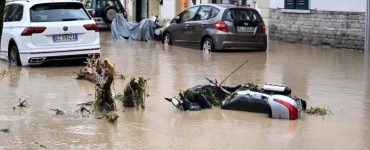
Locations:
(176, 19)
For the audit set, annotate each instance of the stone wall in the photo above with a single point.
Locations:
(337, 29)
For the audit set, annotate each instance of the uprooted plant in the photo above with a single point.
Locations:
(322, 111)
(58, 111)
(135, 93)
(23, 103)
(5, 130)
(111, 117)
(101, 73)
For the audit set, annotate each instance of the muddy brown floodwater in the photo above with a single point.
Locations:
(337, 79)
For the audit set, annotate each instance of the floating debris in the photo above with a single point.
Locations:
(41, 145)
(58, 111)
(135, 93)
(4, 73)
(23, 103)
(83, 110)
(322, 111)
(112, 117)
(120, 76)
(86, 104)
(5, 130)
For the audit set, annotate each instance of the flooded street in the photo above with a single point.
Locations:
(337, 79)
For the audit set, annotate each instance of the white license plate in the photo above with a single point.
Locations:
(246, 29)
(65, 38)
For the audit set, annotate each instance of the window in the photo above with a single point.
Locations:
(214, 12)
(5, 12)
(240, 2)
(55, 12)
(296, 4)
(242, 16)
(13, 13)
(203, 13)
(188, 14)
(104, 4)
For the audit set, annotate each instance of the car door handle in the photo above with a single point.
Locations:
(202, 25)
(187, 26)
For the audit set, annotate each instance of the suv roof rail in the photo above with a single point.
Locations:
(7, 1)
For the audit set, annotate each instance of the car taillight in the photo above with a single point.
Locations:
(91, 27)
(93, 14)
(263, 29)
(31, 30)
(221, 25)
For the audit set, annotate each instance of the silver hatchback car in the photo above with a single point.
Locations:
(214, 27)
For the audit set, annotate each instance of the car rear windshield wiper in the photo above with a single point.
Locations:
(72, 19)
(69, 19)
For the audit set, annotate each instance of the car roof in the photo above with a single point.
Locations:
(224, 6)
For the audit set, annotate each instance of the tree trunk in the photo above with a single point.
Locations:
(102, 75)
(2, 5)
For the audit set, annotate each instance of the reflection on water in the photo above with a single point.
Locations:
(334, 78)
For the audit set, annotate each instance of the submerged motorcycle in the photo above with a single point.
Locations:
(272, 99)
(275, 100)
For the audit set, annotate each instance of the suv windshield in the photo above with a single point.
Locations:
(55, 12)
(241, 16)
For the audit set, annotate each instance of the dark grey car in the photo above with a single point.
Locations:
(218, 27)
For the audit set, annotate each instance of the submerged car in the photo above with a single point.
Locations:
(213, 27)
(36, 32)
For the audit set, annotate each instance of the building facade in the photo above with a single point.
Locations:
(337, 23)
(167, 9)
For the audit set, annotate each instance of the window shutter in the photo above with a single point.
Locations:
(302, 4)
(290, 4)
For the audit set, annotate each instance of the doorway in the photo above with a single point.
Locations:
(141, 10)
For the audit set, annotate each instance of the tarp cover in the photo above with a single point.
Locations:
(121, 29)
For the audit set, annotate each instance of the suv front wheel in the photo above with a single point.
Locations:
(13, 55)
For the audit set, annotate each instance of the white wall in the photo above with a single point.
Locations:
(129, 8)
(329, 5)
(339, 5)
(168, 9)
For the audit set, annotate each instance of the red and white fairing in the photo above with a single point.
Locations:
(284, 107)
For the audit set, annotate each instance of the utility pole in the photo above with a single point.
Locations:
(367, 42)
(367, 27)
(367, 35)
(2, 5)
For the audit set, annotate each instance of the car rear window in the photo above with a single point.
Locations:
(241, 16)
(56, 12)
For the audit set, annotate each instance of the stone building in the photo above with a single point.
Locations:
(337, 23)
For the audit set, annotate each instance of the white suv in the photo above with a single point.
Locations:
(40, 31)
